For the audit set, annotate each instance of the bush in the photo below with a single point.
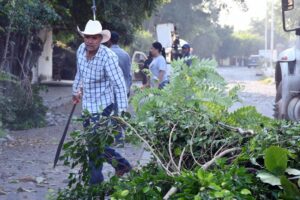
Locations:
(2, 132)
(20, 110)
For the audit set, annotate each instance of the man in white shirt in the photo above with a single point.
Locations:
(101, 80)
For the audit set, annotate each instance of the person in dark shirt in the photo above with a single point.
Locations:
(186, 54)
(145, 77)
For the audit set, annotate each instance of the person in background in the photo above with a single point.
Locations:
(100, 83)
(123, 59)
(124, 62)
(158, 67)
(186, 54)
(146, 67)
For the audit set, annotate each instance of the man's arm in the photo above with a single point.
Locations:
(77, 87)
(116, 78)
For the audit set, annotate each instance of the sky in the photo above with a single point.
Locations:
(239, 19)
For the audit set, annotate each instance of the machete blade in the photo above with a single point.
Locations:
(60, 145)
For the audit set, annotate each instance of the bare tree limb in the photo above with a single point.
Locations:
(146, 142)
(170, 148)
(173, 190)
(4, 57)
(222, 147)
(237, 129)
(180, 160)
(28, 41)
(223, 153)
(191, 148)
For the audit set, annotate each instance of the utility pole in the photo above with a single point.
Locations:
(272, 34)
(266, 34)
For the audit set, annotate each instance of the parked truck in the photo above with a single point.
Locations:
(287, 72)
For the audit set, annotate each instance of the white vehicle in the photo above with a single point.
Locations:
(287, 74)
(166, 35)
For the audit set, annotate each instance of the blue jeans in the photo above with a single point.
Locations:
(163, 84)
(109, 153)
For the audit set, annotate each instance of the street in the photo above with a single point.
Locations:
(26, 170)
(256, 92)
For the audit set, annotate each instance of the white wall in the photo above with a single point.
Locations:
(44, 71)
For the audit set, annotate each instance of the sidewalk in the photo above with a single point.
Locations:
(57, 95)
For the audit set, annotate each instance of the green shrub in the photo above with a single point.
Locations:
(20, 110)
(2, 132)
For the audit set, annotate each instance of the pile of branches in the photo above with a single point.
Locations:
(187, 126)
(200, 150)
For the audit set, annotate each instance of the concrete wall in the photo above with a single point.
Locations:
(44, 70)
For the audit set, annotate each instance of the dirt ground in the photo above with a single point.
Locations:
(26, 167)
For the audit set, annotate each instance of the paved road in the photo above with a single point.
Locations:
(255, 93)
(31, 154)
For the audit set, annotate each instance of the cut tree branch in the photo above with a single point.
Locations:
(237, 129)
(146, 142)
(170, 148)
(220, 155)
(172, 191)
(181, 158)
(191, 148)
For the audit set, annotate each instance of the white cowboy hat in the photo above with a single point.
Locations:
(94, 27)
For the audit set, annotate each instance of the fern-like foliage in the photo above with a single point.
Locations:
(248, 117)
(198, 84)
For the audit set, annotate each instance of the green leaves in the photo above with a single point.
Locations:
(291, 191)
(269, 178)
(84, 147)
(276, 160)
(29, 16)
(124, 193)
(246, 192)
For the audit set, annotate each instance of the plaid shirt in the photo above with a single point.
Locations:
(100, 78)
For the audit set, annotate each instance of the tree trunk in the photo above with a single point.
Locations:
(28, 41)
(4, 57)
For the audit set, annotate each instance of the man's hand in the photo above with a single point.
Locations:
(76, 98)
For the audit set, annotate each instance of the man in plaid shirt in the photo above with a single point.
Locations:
(101, 81)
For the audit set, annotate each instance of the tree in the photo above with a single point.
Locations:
(196, 22)
(280, 36)
(248, 43)
(21, 22)
(229, 45)
(122, 16)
